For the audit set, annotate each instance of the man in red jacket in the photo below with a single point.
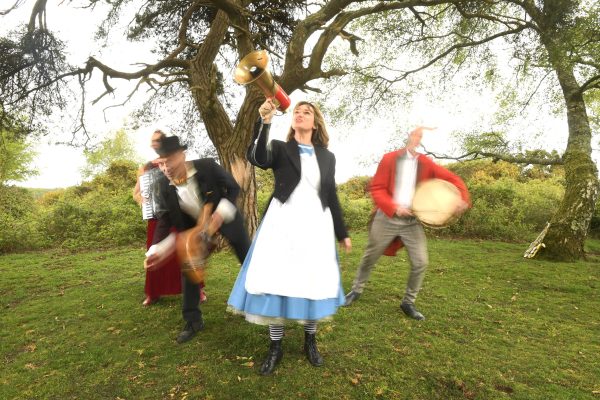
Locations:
(394, 224)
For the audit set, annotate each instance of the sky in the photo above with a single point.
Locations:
(358, 147)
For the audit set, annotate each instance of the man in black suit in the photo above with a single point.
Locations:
(189, 185)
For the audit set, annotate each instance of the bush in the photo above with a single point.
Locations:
(265, 184)
(356, 202)
(262, 198)
(99, 218)
(506, 204)
(20, 229)
(100, 213)
(356, 212)
(508, 210)
(355, 188)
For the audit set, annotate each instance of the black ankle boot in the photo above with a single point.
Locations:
(311, 350)
(273, 358)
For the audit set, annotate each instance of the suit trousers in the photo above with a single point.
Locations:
(382, 233)
(235, 233)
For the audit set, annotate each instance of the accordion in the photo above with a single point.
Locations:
(147, 189)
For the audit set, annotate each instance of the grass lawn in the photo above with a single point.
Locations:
(498, 327)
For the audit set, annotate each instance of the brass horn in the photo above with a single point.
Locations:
(253, 69)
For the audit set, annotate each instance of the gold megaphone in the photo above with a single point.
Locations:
(253, 69)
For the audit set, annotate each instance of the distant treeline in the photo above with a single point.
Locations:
(509, 203)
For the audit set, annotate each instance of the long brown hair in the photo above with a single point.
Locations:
(320, 137)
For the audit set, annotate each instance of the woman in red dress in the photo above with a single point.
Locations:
(166, 280)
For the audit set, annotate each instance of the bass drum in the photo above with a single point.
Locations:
(435, 203)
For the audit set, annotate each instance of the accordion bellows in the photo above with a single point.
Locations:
(147, 189)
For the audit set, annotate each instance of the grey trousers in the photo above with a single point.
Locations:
(383, 231)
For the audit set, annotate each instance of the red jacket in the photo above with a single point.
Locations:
(383, 184)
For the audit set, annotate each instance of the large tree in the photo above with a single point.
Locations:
(199, 38)
(553, 43)
(196, 39)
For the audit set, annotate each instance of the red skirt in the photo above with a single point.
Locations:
(165, 280)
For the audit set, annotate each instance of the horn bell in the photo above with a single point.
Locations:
(251, 67)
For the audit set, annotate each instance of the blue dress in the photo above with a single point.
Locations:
(291, 271)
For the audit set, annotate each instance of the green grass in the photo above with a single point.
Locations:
(498, 327)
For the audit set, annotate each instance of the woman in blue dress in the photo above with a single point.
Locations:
(291, 271)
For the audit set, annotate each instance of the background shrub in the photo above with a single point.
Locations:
(509, 203)
(19, 228)
(100, 213)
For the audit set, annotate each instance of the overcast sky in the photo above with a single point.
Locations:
(358, 148)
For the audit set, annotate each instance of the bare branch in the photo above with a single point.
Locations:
(507, 21)
(332, 72)
(418, 17)
(107, 72)
(536, 90)
(294, 74)
(305, 88)
(592, 83)
(81, 114)
(478, 155)
(14, 6)
(352, 39)
(135, 89)
(471, 43)
(150, 69)
(588, 63)
(47, 84)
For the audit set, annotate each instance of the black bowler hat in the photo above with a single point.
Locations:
(169, 145)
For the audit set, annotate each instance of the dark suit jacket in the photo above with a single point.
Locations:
(214, 184)
(284, 159)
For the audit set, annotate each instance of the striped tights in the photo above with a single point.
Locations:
(276, 330)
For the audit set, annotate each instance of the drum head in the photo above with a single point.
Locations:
(435, 202)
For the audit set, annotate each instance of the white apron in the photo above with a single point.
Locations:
(294, 251)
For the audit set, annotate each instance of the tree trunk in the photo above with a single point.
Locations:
(230, 141)
(569, 227)
(233, 157)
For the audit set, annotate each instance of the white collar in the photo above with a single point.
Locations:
(409, 155)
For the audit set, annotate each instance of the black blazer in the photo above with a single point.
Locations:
(284, 159)
(214, 184)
